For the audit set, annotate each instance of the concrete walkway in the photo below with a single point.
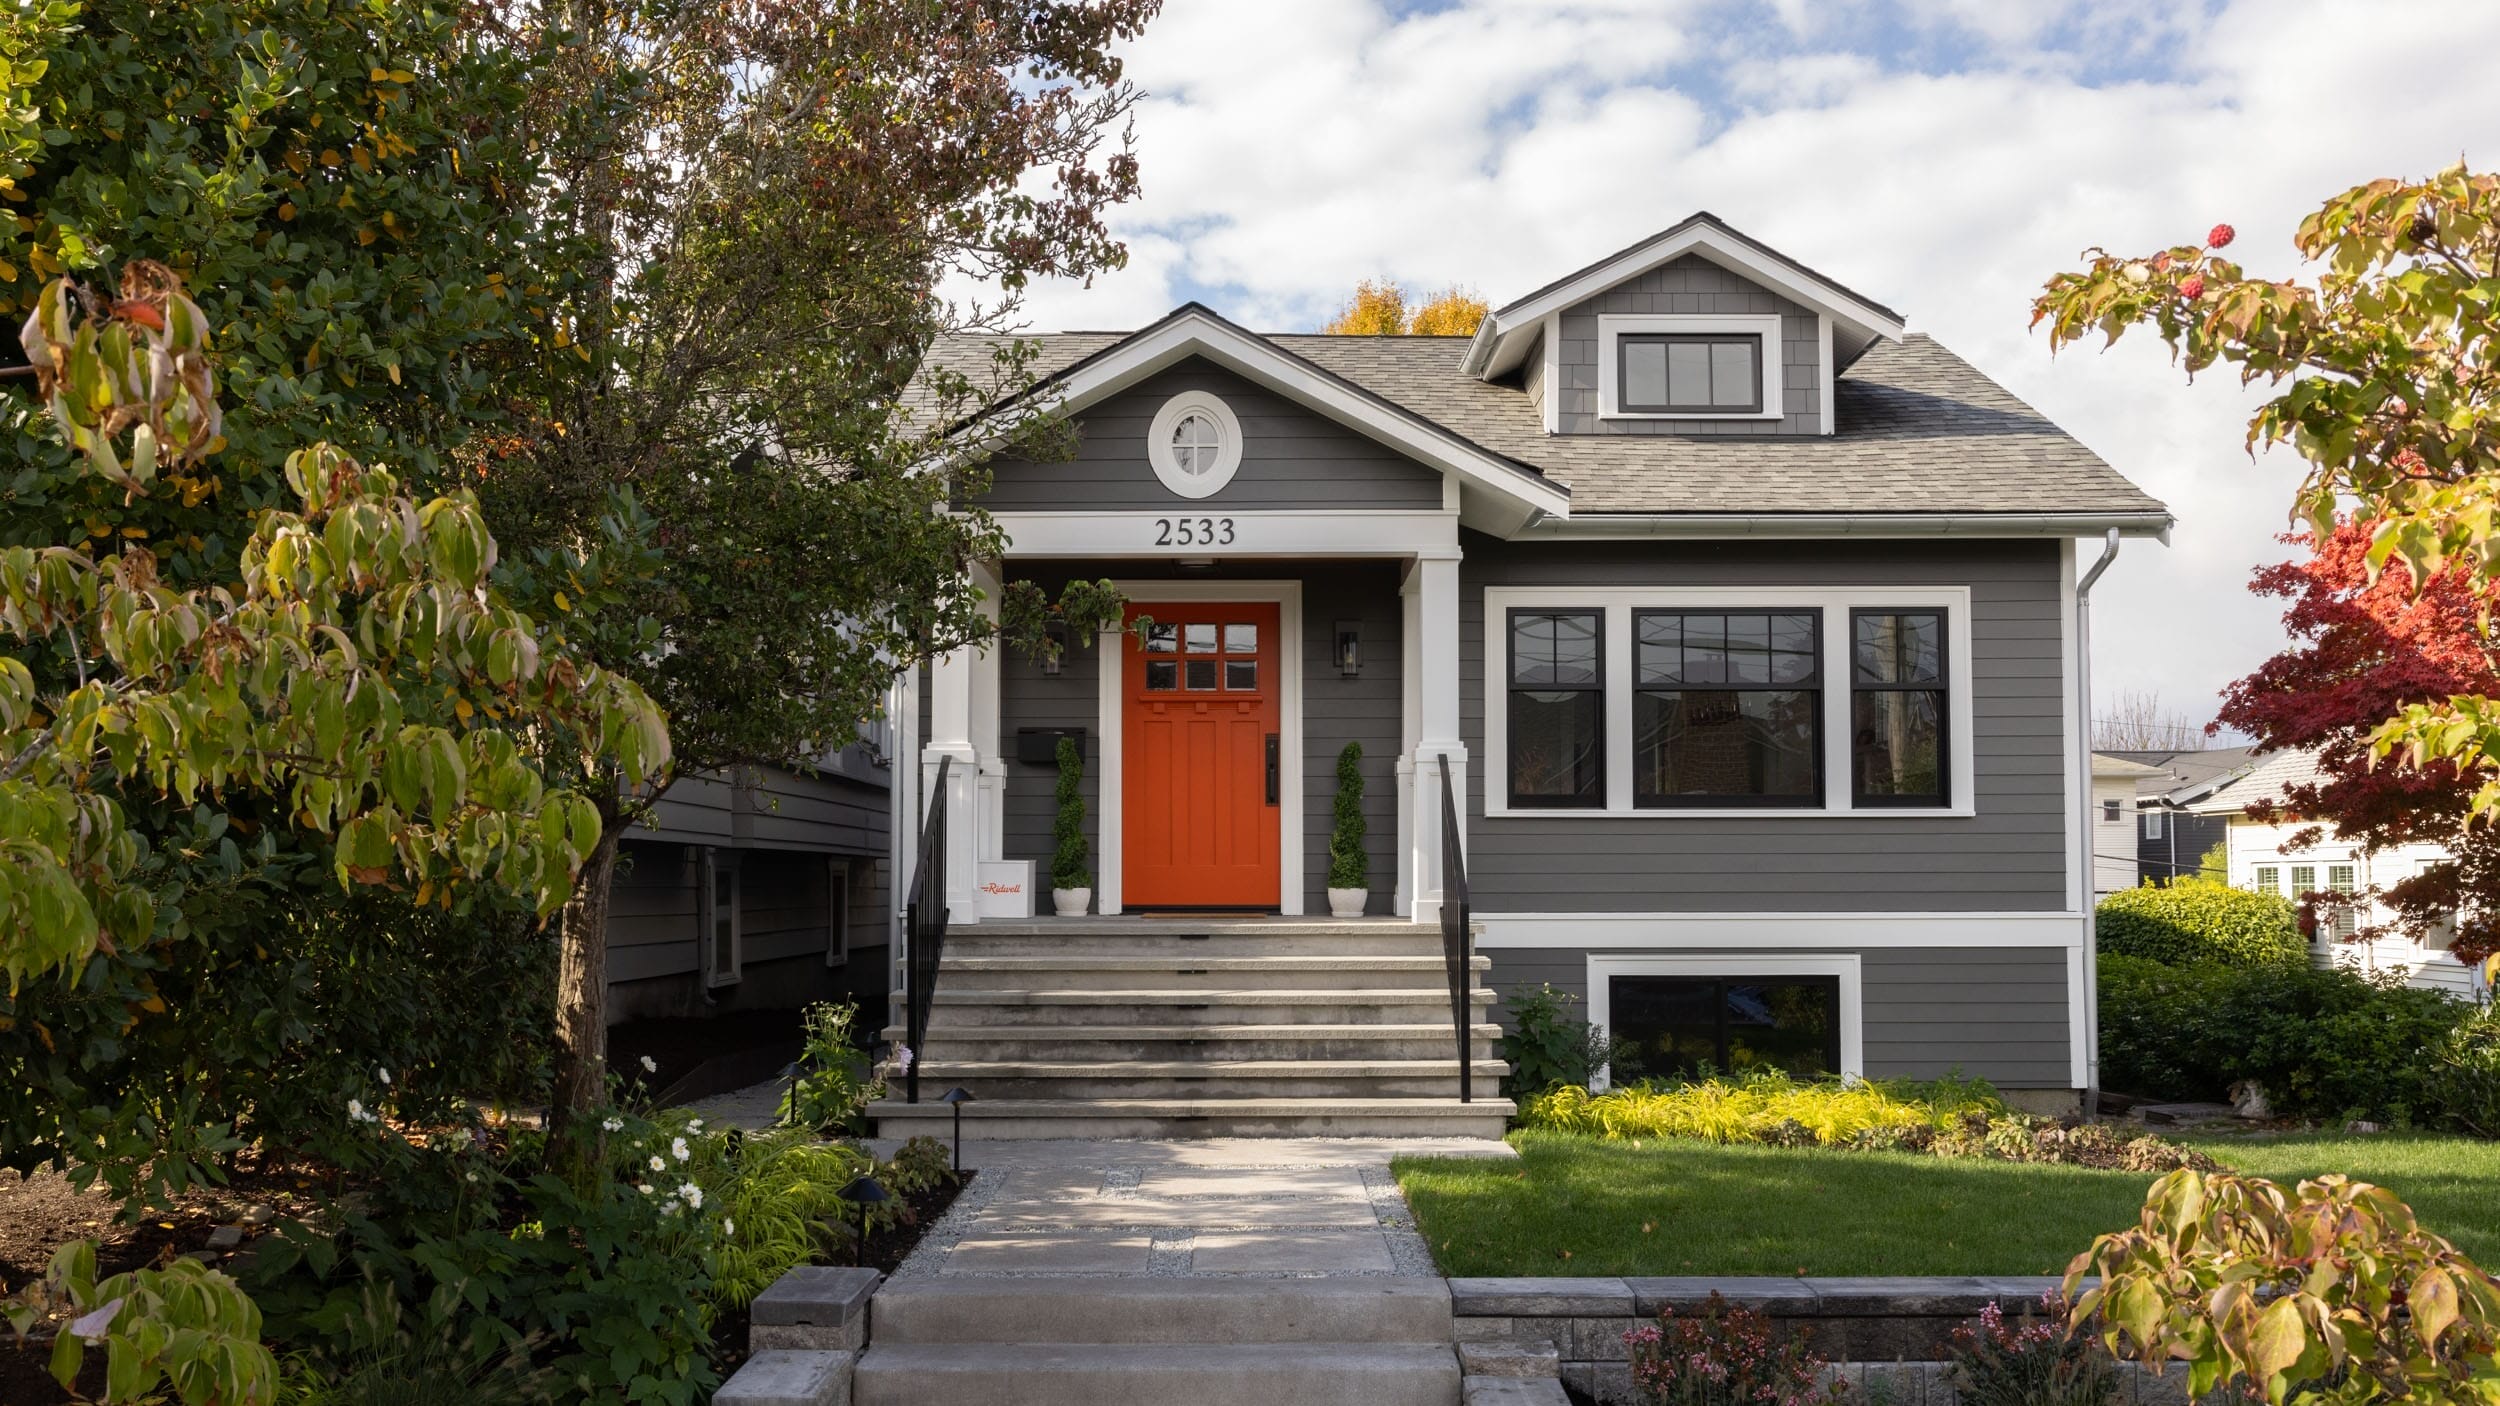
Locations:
(1231, 1208)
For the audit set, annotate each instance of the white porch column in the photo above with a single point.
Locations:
(984, 732)
(1433, 601)
(1410, 728)
(950, 739)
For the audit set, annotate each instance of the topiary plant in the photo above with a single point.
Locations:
(2194, 920)
(1348, 866)
(1069, 868)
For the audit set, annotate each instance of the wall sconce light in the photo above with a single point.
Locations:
(1349, 648)
(1054, 645)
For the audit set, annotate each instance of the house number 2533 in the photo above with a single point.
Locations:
(1193, 531)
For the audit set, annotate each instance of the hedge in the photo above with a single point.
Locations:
(2196, 920)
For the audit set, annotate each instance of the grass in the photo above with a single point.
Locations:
(1574, 1204)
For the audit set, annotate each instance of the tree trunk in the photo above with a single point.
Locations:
(581, 1085)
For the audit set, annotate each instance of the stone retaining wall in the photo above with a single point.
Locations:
(1893, 1331)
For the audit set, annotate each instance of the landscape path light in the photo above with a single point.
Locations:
(866, 1192)
(958, 1096)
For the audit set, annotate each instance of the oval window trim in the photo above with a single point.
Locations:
(1167, 466)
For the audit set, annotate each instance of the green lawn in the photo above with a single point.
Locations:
(1580, 1205)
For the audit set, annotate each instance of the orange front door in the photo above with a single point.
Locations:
(1198, 758)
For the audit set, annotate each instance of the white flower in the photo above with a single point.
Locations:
(693, 1195)
(649, 1065)
(642, 1187)
(728, 1226)
(472, 1176)
(386, 1077)
(658, 1165)
(678, 1150)
(694, 1125)
(614, 1125)
(92, 1327)
(356, 1112)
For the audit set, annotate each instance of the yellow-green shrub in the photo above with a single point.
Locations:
(780, 1194)
(1763, 1107)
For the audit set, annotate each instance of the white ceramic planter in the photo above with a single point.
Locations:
(1347, 903)
(1071, 903)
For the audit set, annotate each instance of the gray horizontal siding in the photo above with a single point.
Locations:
(1692, 285)
(2010, 856)
(1335, 710)
(652, 911)
(1291, 458)
(775, 809)
(1995, 1014)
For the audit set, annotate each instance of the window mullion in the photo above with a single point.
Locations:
(1618, 683)
(1838, 671)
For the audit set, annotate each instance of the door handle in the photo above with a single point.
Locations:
(1271, 768)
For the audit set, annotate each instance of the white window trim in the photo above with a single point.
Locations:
(1611, 327)
(2153, 822)
(1618, 604)
(1227, 453)
(1604, 966)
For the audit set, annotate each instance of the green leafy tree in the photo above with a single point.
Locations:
(1070, 866)
(767, 204)
(2384, 382)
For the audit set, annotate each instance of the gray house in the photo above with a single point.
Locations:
(1740, 623)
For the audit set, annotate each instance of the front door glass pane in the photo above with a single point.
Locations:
(1199, 639)
(1241, 674)
(1163, 639)
(1162, 675)
(1201, 675)
(1241, 639)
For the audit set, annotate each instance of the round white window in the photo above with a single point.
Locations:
(1194, 444)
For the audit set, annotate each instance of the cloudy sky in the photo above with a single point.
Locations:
(1942, 156)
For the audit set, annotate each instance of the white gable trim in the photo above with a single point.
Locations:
(1494, 338)
(1195, 332)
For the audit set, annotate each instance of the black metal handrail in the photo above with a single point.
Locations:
(1457, 935)
(924, 930)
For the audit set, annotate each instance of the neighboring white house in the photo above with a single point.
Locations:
(2261, 859)
(2114, 860)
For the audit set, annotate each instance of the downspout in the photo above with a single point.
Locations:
(2083, 825)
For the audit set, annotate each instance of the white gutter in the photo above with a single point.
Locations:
(1720, 525)
(2082, 812)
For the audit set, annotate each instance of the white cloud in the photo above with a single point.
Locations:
(1291, 147)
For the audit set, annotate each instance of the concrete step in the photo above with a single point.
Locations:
(1089, 1309)
(1206, 1079)
(1061, 1043)
(1084, 1003)
(1153, 973)
(1262, 939)
(1021, 1118)
(1127, 1374)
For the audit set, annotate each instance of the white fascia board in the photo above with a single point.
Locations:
(1194, 335)
(1632, 526)
(1771, 932)
(1485, 356)
(1190, 531)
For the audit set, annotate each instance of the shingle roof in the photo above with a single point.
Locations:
(2264, 782)
(1919, 430)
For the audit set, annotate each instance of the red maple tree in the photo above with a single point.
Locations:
(2361, 650)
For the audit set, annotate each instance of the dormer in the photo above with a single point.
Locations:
(1697, 330)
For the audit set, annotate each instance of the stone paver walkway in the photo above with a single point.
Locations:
(1216, 1207)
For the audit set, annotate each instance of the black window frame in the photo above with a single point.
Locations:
(1512, 688)
(1942, 688)
(1827, 982)
(1816, 686)
(1624, 341)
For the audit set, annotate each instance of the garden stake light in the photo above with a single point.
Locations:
(958, 1097)
(864, 1190)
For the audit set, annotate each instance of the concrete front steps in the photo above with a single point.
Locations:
(1082, 1341)
(1123, 1027)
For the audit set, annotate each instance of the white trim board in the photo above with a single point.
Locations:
(1109, 715)
(1154, 534)
(1845, 965)
(1835, 603)
(1853, 931)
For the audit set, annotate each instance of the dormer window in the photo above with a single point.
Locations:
(1689, 373)
(1689, 367)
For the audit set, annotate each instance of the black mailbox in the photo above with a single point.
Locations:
(1039, 746)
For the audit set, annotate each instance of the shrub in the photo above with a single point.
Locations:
(2196, 920)
(1725, 1356)
(2036, 1362)
(2331, 1294)
(1546, 1045)
(832, 1090)
(1070, 859)
(2325, 1044)
(185, 1325)
(2465, 1074)
(1348, 866)
(1748, 1108)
